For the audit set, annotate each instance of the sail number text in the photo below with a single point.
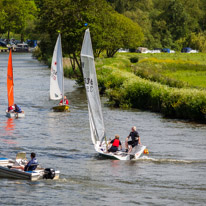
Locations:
(53, 73)
(89, 84)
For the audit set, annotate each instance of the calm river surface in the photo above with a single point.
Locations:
(174, 172)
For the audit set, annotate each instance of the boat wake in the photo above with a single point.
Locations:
(169, 160)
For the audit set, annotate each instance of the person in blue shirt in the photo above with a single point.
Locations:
(32, 164)
(17, 108)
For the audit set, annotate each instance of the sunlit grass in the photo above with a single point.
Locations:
(176, 70)
(173, 84)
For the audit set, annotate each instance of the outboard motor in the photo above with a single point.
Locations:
(49, 173)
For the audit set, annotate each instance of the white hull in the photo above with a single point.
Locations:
(13, 173)
(15, 114)
(120, 155)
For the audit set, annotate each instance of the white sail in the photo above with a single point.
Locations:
(90, 79)
(57, 73)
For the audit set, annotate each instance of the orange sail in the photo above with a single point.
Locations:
(10, 83)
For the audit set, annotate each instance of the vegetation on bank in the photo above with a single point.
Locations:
(123, 85)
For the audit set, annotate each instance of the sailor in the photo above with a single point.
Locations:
(11, 109)
(135, 139)
(66, 102)
(32, 164)
(115, 144)
(17, 108)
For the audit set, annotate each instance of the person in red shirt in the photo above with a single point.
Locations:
(115, 144)
(66, 102)
(11, 109)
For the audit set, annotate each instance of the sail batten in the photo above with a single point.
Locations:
(10, 82)
(57, 73)
(90, 79)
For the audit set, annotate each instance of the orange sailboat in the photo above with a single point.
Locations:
(11, 111)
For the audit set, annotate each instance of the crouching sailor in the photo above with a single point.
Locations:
(115, 144)
(17, 108)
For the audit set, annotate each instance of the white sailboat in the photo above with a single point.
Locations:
(98, 134)
(57, 77)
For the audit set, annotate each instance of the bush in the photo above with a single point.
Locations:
(134, 59)
(132, 91)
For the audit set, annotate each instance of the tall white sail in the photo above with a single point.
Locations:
(90, 79)
(57, 73)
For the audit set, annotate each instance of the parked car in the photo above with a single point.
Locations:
(23, 47)
(123, 50)
(167, 50)
(3, 44)
(143, 50)
(188, 50)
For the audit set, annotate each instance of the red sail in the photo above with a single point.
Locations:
(10, 83)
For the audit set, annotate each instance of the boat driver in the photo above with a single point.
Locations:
(32, 164)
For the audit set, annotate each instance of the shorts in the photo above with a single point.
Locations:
(113, 149)
(133, 144)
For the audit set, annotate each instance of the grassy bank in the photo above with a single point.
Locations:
(156, 82)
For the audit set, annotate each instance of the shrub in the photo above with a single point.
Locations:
(144, 94)
(133, 59)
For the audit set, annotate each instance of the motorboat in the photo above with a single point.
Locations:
(12, 169)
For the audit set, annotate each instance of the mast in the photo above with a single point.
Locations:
(62, 69)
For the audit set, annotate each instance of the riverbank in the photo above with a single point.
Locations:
(156, 90)
(171, 84)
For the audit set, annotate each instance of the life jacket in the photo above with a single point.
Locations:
(10, 108)
(116, 143)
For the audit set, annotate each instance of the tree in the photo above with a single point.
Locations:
(109, 30)
(16, 13)
(125, 33)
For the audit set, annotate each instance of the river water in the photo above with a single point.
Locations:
(174, 172)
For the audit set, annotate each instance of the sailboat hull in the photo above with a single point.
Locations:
(15, 114)
(120, 155)
(61, 108)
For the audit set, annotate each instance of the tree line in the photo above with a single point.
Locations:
(168, 23)
(114, 24)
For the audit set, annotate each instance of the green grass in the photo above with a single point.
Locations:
(175, 70)
(195, 79)
(171, 84)
(3, 47)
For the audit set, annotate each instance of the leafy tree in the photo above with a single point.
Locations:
(198, 41)
(125, 33)
(15, 14)
(110, 31)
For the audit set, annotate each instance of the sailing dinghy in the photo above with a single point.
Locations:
(57, 78)
(97, 128)
(10, 90)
